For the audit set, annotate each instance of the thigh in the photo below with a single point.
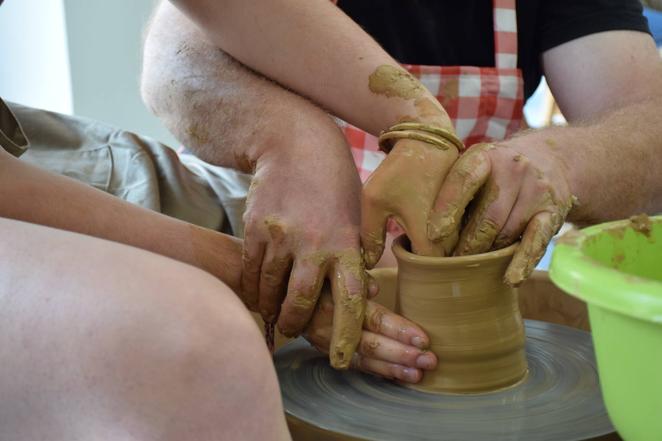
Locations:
(103, 341)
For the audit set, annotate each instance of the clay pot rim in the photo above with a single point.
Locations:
(402, 254)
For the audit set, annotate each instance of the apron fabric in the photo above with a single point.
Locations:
(484, 103)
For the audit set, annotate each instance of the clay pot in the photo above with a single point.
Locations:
(472, 318)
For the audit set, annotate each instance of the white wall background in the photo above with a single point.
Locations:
(78, 56)
(105, 45)
(34, 61)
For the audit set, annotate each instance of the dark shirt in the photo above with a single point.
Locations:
(461, 32)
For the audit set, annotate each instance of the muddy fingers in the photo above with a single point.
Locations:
(537, 235)
(349, 290)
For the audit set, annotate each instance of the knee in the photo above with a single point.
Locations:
(198, 357)
(211, 329)
(200, 324)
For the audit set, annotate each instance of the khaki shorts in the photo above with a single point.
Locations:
(137, 169)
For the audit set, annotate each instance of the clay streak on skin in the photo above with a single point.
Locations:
(392, 81)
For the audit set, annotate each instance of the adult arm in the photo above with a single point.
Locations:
(613, 98)
(313, 48)
(302, 215)
(603, 166)
(232, 116)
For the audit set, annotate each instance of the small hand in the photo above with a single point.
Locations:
(404, 187)
(509, 191)
(391, 346)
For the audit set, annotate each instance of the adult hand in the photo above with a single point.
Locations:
(517, 189)
(301, 227)
(404, 187)
(391, 346)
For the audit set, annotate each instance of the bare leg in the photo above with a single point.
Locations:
(104, 341)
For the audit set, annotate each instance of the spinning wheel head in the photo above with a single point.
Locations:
(559, 400)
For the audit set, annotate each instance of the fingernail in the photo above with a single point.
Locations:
(373, 287)
(410, 375)
(425, 361)
(419, 342)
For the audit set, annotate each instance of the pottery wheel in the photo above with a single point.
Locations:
(559, 400)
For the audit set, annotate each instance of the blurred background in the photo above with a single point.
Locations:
(78, 57)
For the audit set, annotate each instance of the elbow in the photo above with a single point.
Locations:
(160, 58)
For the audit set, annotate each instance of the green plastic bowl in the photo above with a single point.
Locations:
(616, 268)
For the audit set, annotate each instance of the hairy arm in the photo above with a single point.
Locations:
(302, 215)
(312, 48)
(609, 86)
(303, 211)
(226, 113)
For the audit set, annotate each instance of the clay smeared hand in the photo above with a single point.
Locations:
(302, 227)
(404, 187)
(510, 190)
(391, 346)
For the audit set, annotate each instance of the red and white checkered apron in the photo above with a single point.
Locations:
(484, 103)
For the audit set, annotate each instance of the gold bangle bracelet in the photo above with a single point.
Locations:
(438, 131)
(385, 145)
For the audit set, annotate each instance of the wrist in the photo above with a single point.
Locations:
(563, 149)
(217, 254)
(440, 138)
(311, 134)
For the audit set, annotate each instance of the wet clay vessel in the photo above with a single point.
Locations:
(558, 400)
(472, 318)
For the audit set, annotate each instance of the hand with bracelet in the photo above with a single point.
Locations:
(405, 186)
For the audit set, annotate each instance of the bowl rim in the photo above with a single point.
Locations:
(401, 253)
(600, 285)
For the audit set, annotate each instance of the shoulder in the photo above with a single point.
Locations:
(565, 20)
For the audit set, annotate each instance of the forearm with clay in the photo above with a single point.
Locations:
(295, 42)
(293, 147)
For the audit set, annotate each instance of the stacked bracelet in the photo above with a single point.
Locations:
(436, 136)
